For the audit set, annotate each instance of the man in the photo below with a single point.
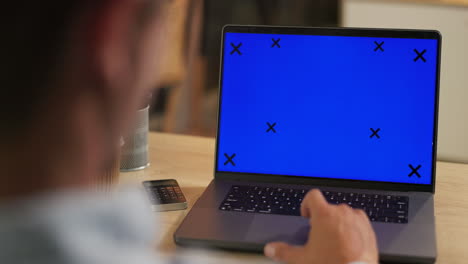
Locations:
(73, 73)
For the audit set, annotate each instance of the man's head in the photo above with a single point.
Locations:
(73, 73)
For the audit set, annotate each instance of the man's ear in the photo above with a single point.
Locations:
(111, 40)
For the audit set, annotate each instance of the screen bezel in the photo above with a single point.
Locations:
(315, 181)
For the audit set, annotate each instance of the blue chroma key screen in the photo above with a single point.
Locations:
(341, 107)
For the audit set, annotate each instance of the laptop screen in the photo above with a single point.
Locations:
(336, 107)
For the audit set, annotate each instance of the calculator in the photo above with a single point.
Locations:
(165, 195)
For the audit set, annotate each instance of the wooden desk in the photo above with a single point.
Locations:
(455, 3)
(190, 161)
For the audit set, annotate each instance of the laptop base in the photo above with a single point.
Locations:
(208, 226)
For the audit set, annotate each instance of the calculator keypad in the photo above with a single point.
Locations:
(165, 194)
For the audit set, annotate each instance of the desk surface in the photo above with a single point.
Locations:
(190, 161)
(462, 3)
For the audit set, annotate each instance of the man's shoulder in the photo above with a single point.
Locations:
(77, 227)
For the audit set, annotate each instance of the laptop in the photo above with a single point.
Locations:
(350, 111)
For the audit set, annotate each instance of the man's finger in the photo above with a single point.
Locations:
(283, 252)
(314, 203)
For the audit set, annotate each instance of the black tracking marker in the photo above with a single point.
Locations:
(235, 48)
(420, 55)
(379, 46)
(229, 159)
(271, 127)
(375, 132)
(275, 43)
(414, 170)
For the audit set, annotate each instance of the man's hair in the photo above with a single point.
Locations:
(34, 38)
(33, 47)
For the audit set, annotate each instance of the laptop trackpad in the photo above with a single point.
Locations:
(268, 228)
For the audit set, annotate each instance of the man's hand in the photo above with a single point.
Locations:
(338, 235)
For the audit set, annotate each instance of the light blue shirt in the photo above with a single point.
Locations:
(78, 227)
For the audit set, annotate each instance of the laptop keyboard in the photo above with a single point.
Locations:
(285, 201)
